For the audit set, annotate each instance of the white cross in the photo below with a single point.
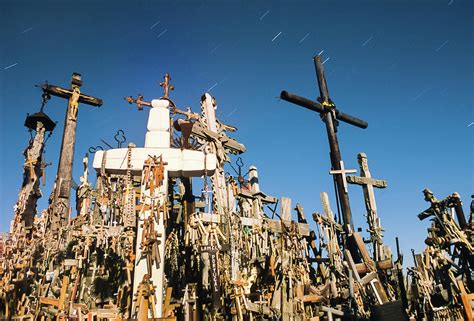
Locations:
(343, 172)
(187, 163)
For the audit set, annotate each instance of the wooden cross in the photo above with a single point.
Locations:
(214, 271)
(43, 171)
(342, 171)
(166, 86)
(368, 183)
(330, 114)
(64, 175)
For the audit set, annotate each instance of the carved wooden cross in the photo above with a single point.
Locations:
(166, 86)
(31, 165)
(66, 157)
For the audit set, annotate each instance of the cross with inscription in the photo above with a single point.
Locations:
(329, 114)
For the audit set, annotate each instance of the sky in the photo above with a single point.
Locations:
(405, 67)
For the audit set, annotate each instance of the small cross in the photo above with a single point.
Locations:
(30, 163)
(139, 101)
(166, 85)
(343, 172)
(43, 168)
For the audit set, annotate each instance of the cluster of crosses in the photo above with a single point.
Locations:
(144, 246)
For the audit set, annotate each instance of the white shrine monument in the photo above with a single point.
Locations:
(178, 163)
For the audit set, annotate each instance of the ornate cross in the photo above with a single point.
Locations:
(166, 85)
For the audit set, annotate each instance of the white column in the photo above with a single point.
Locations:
(158, 135)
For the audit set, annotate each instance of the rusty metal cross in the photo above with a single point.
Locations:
(166, 85)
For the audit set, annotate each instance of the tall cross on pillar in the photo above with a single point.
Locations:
(66, 157)
(329, 114)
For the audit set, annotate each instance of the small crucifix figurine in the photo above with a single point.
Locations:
(139, 101)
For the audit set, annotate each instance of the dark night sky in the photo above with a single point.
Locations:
(406, 67)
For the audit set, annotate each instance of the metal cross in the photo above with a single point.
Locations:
(367, 181)
(166, 86)
(342, 171)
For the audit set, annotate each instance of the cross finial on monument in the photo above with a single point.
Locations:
(166, 86)
(342, 171)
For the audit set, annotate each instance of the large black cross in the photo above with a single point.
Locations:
(329, 114)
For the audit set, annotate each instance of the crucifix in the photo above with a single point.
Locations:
(330, 114)
(66, 157)
(166, 86)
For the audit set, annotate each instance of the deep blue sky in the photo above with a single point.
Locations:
(406, 67)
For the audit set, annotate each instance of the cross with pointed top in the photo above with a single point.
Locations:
(166, 85)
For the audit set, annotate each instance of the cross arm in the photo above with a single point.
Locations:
(66, 93)
(314, 106)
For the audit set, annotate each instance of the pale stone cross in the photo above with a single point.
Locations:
(179, 163)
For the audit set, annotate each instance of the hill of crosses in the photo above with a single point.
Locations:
(140, 245)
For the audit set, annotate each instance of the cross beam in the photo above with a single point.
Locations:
(329, 114)
(66, 157)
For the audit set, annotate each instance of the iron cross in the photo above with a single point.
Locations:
(66, 157)
(329, 114)
(166, 86)
(342, 171)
